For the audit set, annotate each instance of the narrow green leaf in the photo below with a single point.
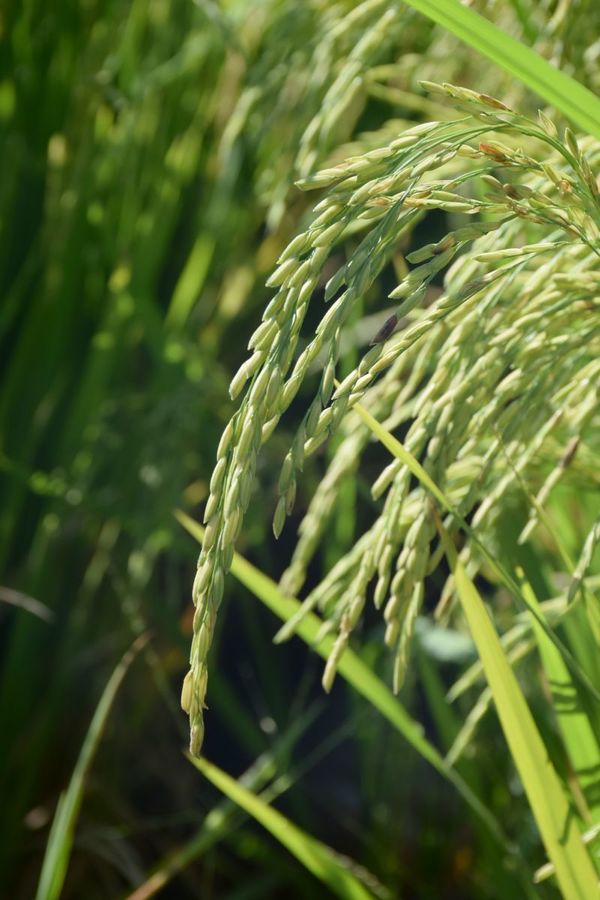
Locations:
(577, 733)
(557, 824)
(60, 840)
(226, 816)
(589, 837)
(314, 856)
(189, 285)
(573, 100)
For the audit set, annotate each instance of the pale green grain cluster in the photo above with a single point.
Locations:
(362, 36)
(491, 379)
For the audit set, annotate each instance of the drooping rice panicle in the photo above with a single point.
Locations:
(499, 361)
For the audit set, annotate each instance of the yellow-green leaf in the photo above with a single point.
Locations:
(315, 856)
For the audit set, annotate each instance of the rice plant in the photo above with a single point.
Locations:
(430, 243)
(493, 378)
(492, 375)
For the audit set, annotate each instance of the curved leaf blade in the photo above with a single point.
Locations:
(555, 819)
(573, 100)
(60, 840)
(315, 856)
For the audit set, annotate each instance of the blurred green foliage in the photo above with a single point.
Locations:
(148, 152)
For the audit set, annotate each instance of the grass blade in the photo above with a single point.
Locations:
(314, 856)
(577, 733)
(60, 840)
(573, 100)
(226, 816)
(589, 837)
(555, 820)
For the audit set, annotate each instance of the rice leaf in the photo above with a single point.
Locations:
(227, 816)
(556, 822)
(575, 727)
(60, 840)
(314, 855)
(576, 102)
(554, 817)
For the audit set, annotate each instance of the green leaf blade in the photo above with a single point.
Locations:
(555, 819)
(60, 840)
(574, 100)
(314, 855)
